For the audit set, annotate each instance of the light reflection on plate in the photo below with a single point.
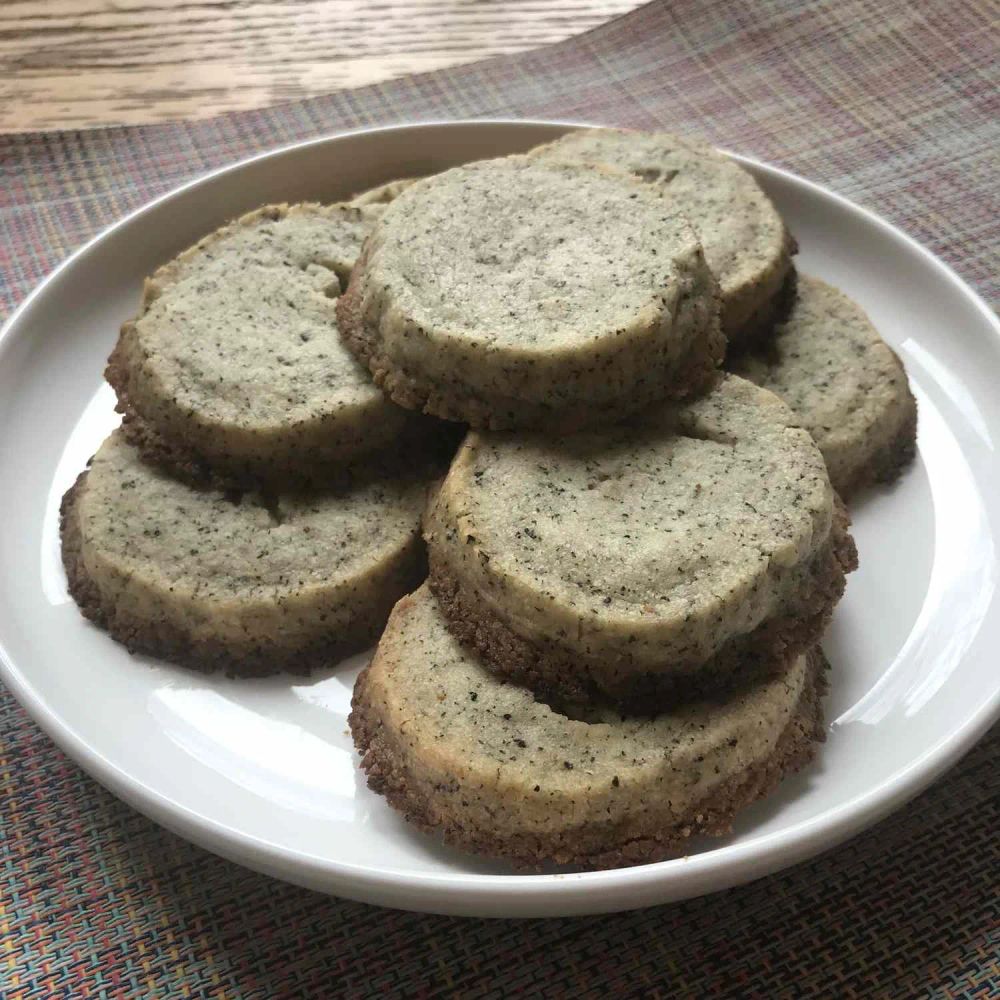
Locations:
(280, 762)
(962, 580)
(96, 422)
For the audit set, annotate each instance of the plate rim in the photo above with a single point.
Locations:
(458, 892)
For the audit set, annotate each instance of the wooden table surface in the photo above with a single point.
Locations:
(74, 63)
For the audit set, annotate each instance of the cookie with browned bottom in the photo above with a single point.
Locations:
(481, 764)
(234, 366)
(846, 385)
(682, 550)
(252, 583)
(521, 293)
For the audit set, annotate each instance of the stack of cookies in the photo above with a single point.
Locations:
(259, 508)
(633, 556)
(634, 553)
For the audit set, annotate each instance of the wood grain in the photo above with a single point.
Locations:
(74, 63)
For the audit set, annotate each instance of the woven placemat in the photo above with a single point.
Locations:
(893, 104)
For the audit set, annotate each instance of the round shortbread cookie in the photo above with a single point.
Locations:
(252, 584)
(688, 548)
(235, 365)
(482, 764)
(515, 293)
(844, 383)
(745, 240)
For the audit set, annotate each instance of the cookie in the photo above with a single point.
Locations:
(484, 766)
(843, 381)
(745, 240)
(250, 583)
(234, 364)
(518, 293)
(678, 552)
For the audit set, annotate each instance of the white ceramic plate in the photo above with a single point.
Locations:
(264, 773)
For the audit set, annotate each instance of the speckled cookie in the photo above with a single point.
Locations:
(384, 193)
(843, 381)
(519, 293)
(690, 547)
(235, 365)
(746, 243)
(250, 583)
(483, 765)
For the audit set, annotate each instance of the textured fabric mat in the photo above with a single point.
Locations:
(894, 105)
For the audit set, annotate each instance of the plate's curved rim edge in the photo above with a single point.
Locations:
(743, 861)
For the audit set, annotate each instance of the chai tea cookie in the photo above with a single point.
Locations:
(250, 583)
(483, 765)
(516, 293)
(746, 242)
(844, 383)
(234, 363)
(679, 552)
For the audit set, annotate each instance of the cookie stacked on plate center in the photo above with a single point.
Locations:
(687, 550)
(633, 555)
(522, 293)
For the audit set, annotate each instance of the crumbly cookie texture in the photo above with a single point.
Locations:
(514, 293)
(843, 381)
(250, 583)
(631, 558)
(234, 363)
(746, 242)
(563, 677)
(384, 193)
(483, 765)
